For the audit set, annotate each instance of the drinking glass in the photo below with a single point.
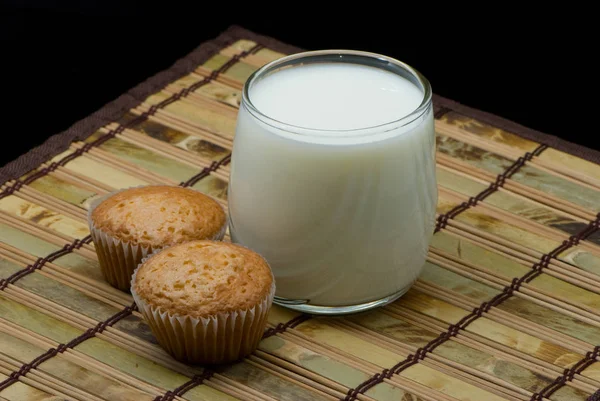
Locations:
(343, 216)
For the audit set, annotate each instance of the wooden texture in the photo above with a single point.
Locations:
(518, 347)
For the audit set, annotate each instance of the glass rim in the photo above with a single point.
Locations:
(354, 132)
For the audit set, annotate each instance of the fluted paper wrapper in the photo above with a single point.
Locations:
(117, 258)
(219, 338)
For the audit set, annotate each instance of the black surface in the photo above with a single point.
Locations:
(61, 62)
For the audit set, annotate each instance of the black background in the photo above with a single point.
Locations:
(60, 62)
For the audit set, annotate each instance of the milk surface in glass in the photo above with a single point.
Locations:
(332, 185)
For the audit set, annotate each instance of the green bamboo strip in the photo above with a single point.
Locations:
(522, 222)
(39, 376)
(38, 386)
(193, 131)
(187, 126)
(215, 135)
(333, 387)
(221, 174)
(216, 91)
(420, 390)
(556, 268)
(583, 383)
(285, 367)
(395, 345)
(517, 252)
(481, 380)
(49, 308)
(535, 366)
(65, 172)
(578, 277)
(58, 203)
(95, 186)
(224, 388)
(83, 322)
(161, 148)
(473, 340)
(118, 375)
(382, 341)
(297, 336)
(537, 228)
(42, 216)
(147, 350)
(108, 371)
(90, 291)
(204, 102)
(458, 266)
(498, 148)
(182, 110)
(44, 233)
(102, 156)
(201, 100)
(96, 289)
(497, 331)
(316, 374)
(329, 352)
(473, 232)
(15, 294)
(468, 270)
(74, 280)
(111, 178)
(298, 380)
(527, 290)
(77, 357)
(500, 316)
(17, 257)
(247, 391)
(515, 195)
(165, 149)
(252, 59)
(34, 196)
(476, 345)
(300, 339)
(505, 353)
(204, 72)
(516, 187)
(494, 385)
(84, 361)
(34, 228)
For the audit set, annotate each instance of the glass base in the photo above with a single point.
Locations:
(303, 305)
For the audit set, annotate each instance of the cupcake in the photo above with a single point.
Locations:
(205, 301)
(128, 225)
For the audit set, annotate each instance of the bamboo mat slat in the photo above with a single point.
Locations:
(507, 306)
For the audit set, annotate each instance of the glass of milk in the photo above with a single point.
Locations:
(333, 178)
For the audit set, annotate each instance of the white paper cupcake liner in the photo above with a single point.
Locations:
(219, 338)
(118, 259)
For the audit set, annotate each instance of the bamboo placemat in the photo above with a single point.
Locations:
(507, 307)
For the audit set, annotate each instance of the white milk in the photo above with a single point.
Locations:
(342, 212)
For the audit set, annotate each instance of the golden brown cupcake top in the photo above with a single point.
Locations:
(203, 278)
(159, 215)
